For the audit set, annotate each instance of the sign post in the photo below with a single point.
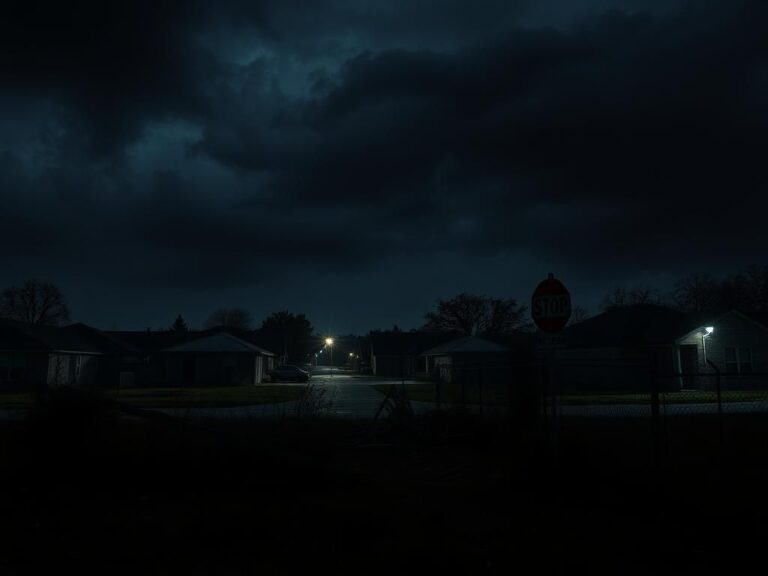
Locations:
(551, 310)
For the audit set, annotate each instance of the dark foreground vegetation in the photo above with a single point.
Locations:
(86, 486)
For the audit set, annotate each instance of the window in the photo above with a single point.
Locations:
(127, 379)
(12, 367)
(738, 360)
(745, 360)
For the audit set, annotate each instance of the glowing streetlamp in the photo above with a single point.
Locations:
(708, 332)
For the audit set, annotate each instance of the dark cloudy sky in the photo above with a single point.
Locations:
(355, 160)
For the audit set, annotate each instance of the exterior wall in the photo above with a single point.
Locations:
(731, 330)
(72, 369)
(394, 366)
(485, 377)
(443, 366)
(58, 370)
(128, 371)
(207, 369)
(614, 369)
(23, 370)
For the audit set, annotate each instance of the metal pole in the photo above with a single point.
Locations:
(480, 388)
(718, 391)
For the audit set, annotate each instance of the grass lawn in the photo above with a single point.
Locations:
(15, 400)
(200, 397)
(425, 392)
(184, 397)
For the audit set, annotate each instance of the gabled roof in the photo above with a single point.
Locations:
(146, 341)
(407, 343)
(250, 336)
(218, 342)
(467, 344)
(16, 335)
(699, 325)
(629, 326)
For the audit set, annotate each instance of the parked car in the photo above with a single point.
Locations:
(288, 373)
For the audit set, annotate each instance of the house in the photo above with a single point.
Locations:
(216, 357)
(732, 343)
(463, 356)
(634, 348)
(395, 354)
(630, 348)
(491, 369)
(33, 357)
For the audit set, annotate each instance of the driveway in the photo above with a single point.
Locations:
(344, 395)
(350, 395)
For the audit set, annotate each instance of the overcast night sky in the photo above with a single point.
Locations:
(356, 160)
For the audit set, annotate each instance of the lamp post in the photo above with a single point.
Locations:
(708, 332)
(329, 343)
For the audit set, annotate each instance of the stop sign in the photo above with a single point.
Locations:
(551, 305)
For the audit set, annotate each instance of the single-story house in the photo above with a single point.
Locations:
(464, 356)
(33, 357)
(621, 349)
(490, 369)
(734, 343)
(218, 359)
(395, 354)
(633, 348)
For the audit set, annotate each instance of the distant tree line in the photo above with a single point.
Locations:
(292, 335)
(703, 294)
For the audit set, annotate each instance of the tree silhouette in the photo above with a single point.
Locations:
(35, 301)
(578, 314)
(288, 334)
(179, 325)
(620, 296)
(473, 314)
(704, 295)
(229, 317)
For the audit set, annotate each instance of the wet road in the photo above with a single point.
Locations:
(349, 395)
(338, 392)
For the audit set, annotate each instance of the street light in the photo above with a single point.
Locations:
(329, 343)
(708, 330)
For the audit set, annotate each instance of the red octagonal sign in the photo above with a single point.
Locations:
(551, 305)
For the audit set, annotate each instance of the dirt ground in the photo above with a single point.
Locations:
(88, 488)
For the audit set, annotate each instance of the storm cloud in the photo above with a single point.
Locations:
(235, 149)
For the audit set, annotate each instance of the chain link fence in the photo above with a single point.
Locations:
(664, 414)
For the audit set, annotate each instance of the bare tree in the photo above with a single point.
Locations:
(696, 293)
(35, 301)
(578, 314)
(472, 314)
(229, 317)
(621, 296)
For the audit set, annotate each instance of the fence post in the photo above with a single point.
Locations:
(655, 413)
(463, 391)
(718, 392)
(545, 391)
(550, 412)
(480, 389)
